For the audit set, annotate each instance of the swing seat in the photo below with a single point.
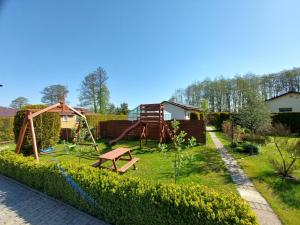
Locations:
(69, 147)
(47, 150)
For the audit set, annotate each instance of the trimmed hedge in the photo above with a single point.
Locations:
(292, 120)
(47, 128)
(217, 118)
(128, 200)
(6, 129)
(94, 119)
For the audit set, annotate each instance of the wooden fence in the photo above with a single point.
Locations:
(66, 134)
(112, 129)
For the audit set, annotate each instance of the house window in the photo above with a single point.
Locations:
(78, 118)
(285, 109)
(65, 118)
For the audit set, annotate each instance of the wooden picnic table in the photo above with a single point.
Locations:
(116, 155)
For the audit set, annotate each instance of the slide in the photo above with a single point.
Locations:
(133, 126)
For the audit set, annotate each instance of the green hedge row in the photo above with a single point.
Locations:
(216, 119)
(292, 120)
(6, 129)
(128, 200)
(47, 128)
(94, 119)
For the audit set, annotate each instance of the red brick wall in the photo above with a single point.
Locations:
(113, 128)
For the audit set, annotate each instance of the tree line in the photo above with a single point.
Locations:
(230, 95)
(94, 94)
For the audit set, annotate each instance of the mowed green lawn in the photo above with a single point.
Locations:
(206, 168)
(283, 196)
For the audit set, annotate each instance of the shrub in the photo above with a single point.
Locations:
(6, 129)
(255, 138)
(288, 150)
(227, 128)
(128, 200)
(217, 118)
(246, 148)
(239, 149)
(239, 133)
(292, 120)
(250, 148)
(94, 119)
(47, 128)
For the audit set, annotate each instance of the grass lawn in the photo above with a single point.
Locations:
(283, 196)
(207, 168)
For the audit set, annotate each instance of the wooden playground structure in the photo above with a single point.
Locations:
(150, 114)
(32, 113)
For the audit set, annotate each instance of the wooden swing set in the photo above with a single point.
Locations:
(56, 108)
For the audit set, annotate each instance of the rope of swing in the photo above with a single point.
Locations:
(41, 132)
(75, 186)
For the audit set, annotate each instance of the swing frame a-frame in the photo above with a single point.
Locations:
(28, 121)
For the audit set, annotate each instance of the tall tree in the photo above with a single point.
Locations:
(103, 99)
(19, 102)
(254, 115)
(231, 94)
(94, 92)
(123, 109)
(111, 109)
(54, 93)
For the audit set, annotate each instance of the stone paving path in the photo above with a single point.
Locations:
(260, 206)
(20, 205)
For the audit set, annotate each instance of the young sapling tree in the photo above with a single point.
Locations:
(179, 143)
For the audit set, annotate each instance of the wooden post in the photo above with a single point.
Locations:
(146, 133)
(34, 146)
(22, 134)
(90, 132)
(160, 122)
(115, 165)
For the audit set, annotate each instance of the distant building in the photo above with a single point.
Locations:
(180, 111)
(70, 120)
(7, 112)
(172, 110)
(287, 102)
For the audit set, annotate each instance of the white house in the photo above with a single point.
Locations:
(180, 111)
(288, 102)
(172, 110)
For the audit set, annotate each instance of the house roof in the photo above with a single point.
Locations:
(67, 114)
(287, 93)
(183, 106)
(81, 110)
(7, 112)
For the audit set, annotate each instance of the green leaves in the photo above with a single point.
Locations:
(94, 119)
(6, 129)
(47, 128)
(192, 142)
(288, 150)
(129, 200)
(180, 143)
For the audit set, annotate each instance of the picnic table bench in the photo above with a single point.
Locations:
(114, 156)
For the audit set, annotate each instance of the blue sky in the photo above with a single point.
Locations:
(148, 48)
